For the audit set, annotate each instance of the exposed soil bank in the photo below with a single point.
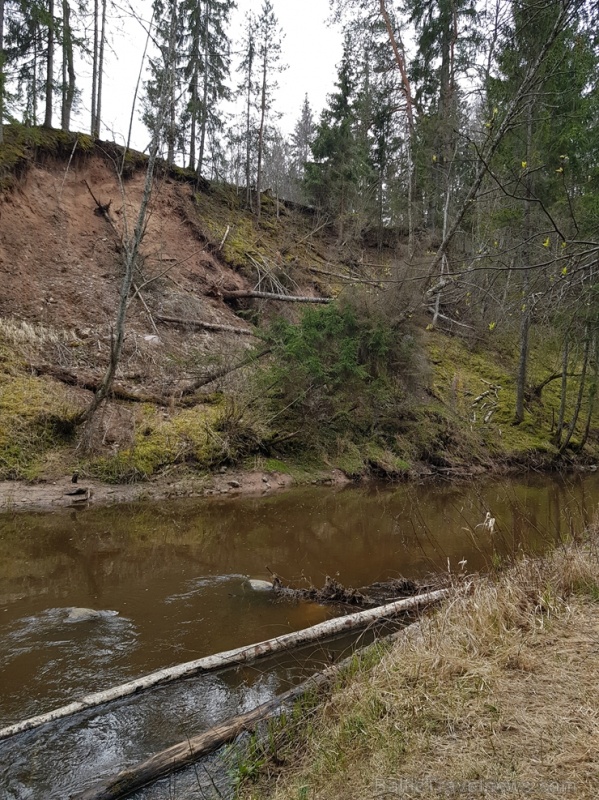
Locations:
(212, 375)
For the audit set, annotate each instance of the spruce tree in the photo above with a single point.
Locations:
(206, 49)
(301, 150)
(164, 85)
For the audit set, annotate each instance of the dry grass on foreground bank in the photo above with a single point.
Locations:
(497, 695)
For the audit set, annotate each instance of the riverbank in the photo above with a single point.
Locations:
(63, 493)
(50, 495)
(495, 696)
(215, 376)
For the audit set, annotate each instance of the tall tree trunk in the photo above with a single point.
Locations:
(400, 60)
(203, 127)
(49, 66)
(93, 126)
(444, 263)
(171, 80)
(261, 136)
(564, 392)
(68, 68)
(592, 394)
(401, 64)
(525, 318)
(194, 117)
(523, 357)
(98, 118)
(204, 108)
(34, 72)
(583, 375)
(1, 71)
(248, 137)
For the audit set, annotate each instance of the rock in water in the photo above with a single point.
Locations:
(84, 614)
(260, 586)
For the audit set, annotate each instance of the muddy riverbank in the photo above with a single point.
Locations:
(87, 493)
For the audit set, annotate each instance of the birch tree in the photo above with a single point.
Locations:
(132, 240)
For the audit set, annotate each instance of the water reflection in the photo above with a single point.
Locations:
(176, 574)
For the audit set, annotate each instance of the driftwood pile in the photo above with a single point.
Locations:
(334, 593)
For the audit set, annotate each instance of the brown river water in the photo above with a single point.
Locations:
(176, 573)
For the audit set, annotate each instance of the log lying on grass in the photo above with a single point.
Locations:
(208, 326)
(284, 298)
(241, 655)
(85, 380)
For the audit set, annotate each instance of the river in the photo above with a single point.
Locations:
(176, 573)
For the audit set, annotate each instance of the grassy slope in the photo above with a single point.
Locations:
(494, 695)
(443, 426)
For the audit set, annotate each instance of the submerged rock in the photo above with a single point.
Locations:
(84, 614)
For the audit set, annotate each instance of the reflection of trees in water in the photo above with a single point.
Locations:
(362, 534)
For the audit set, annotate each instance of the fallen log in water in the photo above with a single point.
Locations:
(192, 749)
(228, 658)
(334, 593)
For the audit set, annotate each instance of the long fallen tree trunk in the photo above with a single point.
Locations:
(208, 326)
(193, 749)
(240, 655)
(85, 380)
(285, 298)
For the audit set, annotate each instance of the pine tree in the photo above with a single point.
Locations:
(268, 52)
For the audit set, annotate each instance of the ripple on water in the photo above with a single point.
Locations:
(199, 585)
(67, 657)
(69, 756)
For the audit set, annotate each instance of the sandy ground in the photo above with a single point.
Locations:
(21, 496)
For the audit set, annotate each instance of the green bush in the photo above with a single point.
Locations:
(339, 369)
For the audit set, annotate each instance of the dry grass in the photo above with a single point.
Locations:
(21, 332)
(496, 695)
